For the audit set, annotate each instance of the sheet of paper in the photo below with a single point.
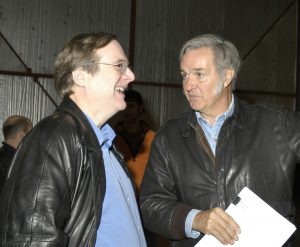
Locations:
(260, 224)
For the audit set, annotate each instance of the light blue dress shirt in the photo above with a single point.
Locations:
(120, 222)
(211, 132)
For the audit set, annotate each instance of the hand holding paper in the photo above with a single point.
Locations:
(217, 223)
(260, 224)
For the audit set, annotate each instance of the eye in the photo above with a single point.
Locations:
(198, 75)
(184, 75)
(122, 66)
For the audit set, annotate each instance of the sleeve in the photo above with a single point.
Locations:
(189, 223)
(37, 193)
(161, 211)
(292, 127)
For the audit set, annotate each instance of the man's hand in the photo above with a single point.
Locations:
(218, 223)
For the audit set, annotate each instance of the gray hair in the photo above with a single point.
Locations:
(226, 55)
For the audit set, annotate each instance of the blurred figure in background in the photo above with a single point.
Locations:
(134, 136)
(14, 129)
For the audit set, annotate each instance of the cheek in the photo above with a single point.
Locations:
(219, 88)
(210, 88)
(186, 84)
(110, 80)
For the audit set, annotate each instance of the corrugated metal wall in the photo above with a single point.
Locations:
(36, 30)
(264, 31)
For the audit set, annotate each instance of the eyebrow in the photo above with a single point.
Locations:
(122, 60)
(198, 69)
(195, 69)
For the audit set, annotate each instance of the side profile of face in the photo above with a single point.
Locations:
(203, 87)
(102, 93)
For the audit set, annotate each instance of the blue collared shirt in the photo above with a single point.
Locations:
(211, 132)
(120, 221)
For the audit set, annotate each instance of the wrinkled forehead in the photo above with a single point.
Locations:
(197, 58)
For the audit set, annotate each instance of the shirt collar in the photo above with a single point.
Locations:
(105, 134)
(222, 117)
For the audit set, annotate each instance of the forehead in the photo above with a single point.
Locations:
(198, 58)
(112, 51)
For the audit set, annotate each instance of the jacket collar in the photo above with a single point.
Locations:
(86, 131)
(235, 119)
(8, 148)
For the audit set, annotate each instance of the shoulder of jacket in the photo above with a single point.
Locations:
(177, 119)
(57, 127)
(263, 107)
(58, 120)
(174, 124)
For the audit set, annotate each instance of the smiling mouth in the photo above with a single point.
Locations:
(120, 89)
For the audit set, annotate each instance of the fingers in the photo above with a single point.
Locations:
(224, 232)
(218, 223)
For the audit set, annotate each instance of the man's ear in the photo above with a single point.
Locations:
(21, 134)
(79, 77)
(228, 77)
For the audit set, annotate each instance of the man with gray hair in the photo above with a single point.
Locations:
(200, 160)
(14, 130)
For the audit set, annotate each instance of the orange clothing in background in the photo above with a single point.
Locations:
(136, 162)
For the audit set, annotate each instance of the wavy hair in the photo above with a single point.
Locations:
(226, 55)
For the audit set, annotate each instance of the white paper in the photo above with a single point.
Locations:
(260, 224)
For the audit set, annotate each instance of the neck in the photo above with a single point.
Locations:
(224, 103)
(12, 143)
(99, 118)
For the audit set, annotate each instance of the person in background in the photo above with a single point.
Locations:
(68, 186)
(202, 159)
(14, 130)
(134, 136)
(133, 139)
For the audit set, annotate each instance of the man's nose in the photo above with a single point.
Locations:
(189, 83)
(129, 74)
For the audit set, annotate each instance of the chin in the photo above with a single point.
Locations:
(122, 107)
(194, 106)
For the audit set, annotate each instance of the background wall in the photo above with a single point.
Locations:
(151, 33)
